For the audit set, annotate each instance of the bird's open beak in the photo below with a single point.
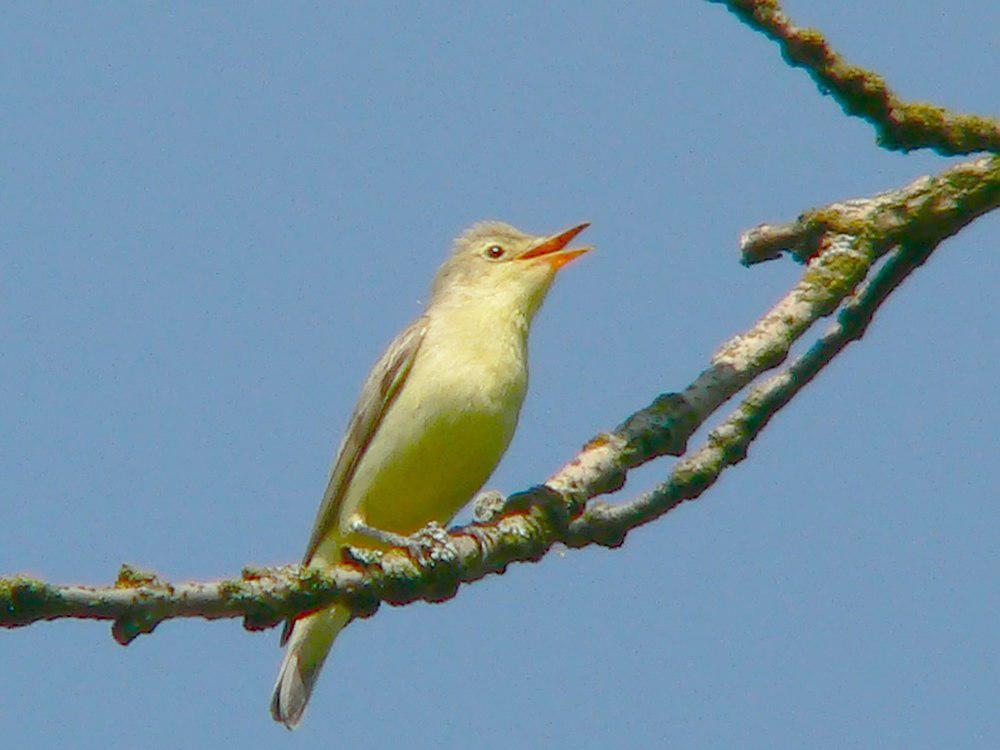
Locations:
(554, 251)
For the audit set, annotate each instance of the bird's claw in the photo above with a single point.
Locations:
(428, 546)
(431, 545)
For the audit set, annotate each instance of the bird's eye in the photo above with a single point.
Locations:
(495, 252)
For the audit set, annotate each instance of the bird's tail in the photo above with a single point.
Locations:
(309, 641)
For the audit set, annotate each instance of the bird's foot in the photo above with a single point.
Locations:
(432, 545)
(429, 545)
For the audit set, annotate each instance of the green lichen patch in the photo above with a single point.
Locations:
(25, 600)
(130, 577)
(662, 428)
(899, 125)
(129, 627)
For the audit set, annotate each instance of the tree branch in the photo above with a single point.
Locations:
(839, 243)
(901, 125)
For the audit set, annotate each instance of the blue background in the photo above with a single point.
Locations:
(214, 218)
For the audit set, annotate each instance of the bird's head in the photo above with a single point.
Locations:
(497, 264)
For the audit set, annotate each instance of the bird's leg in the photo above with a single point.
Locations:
(430, 544)
(357, 525)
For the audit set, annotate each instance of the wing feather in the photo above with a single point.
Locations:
(377, 395)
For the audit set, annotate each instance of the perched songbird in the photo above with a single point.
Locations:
(432, 422)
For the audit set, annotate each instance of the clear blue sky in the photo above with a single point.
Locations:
(213, 219)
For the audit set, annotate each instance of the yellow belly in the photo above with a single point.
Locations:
(429, 474)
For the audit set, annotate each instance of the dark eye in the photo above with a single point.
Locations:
(495, 252)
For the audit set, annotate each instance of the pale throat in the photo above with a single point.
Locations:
(481, 348)
(488, 326)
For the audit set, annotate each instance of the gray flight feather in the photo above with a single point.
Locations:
(379, 391)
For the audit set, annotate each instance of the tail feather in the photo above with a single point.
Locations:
(309, 642)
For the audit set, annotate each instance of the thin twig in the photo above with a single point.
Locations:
(727, 444)
(926, 211)
(901, 125)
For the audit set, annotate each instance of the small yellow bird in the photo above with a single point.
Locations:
(434, 418)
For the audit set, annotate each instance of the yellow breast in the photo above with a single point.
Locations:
(446, 431)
